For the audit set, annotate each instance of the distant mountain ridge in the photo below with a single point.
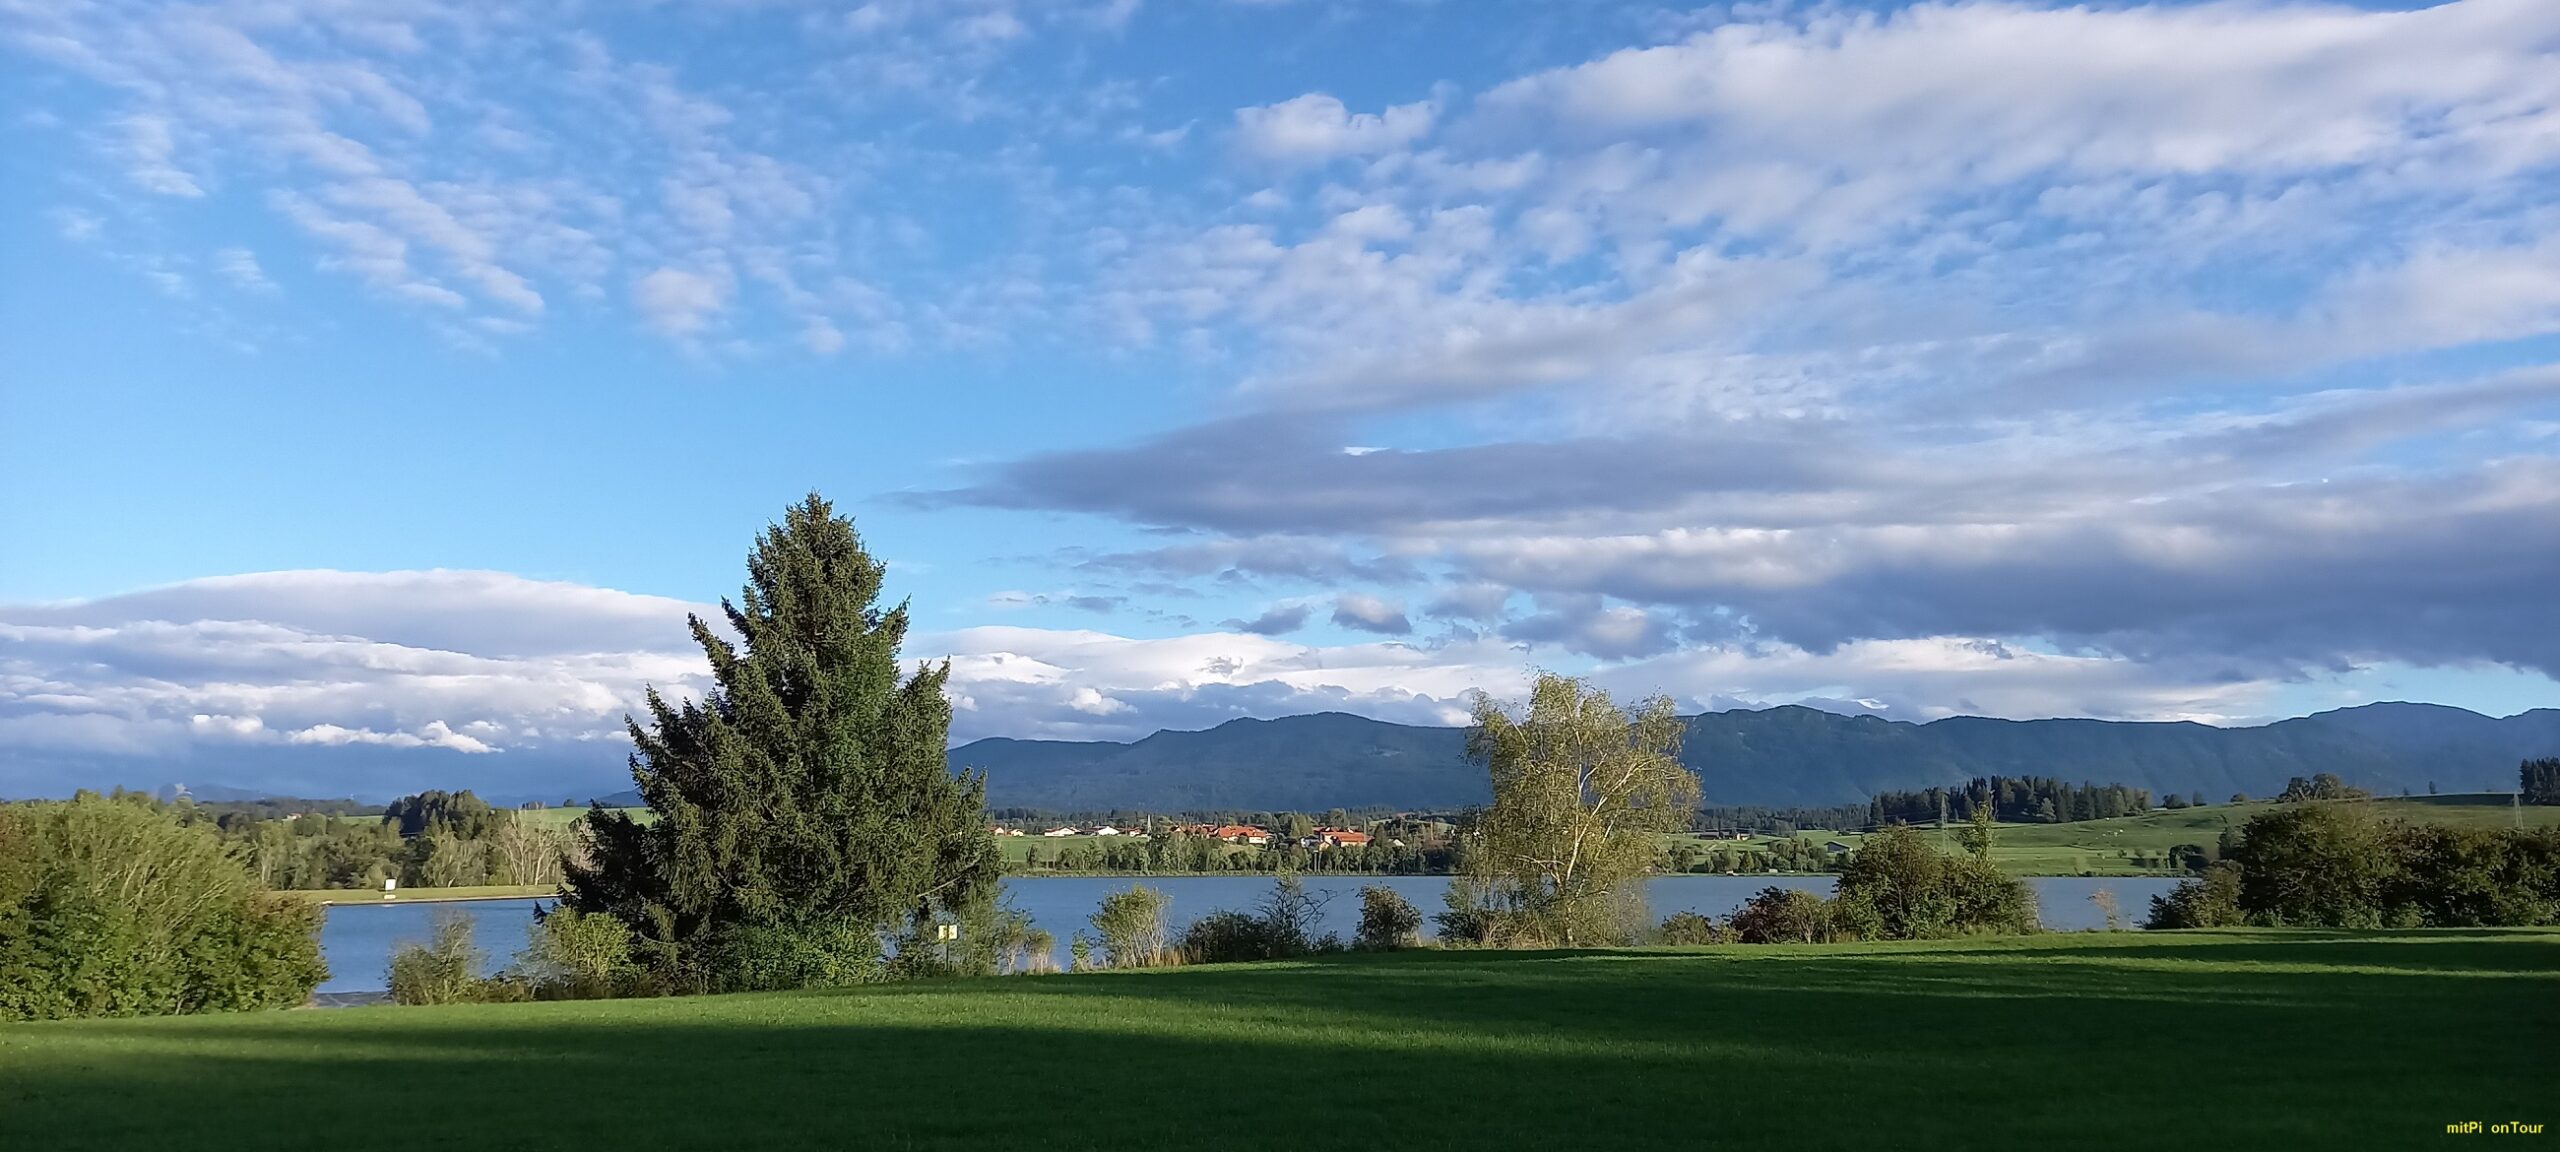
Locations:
(1788, 755)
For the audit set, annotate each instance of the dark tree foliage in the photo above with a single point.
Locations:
(1898, 887)
(2211, 900)
(807, 792)
(2013, 800)
(2337, 865)
(2314, 864)
(460, 813)
(2321, 786)
(2539, 780)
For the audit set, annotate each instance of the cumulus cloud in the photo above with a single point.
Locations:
(218, 673)
(1316, 127)
(331, 683)
(681, 303)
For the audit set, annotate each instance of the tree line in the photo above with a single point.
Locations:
(2336, 865)
(431, 839)
(2010, 800)
(1175, 853)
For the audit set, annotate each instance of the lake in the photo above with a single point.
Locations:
(357, 939)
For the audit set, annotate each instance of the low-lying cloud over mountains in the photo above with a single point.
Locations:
(375, 683)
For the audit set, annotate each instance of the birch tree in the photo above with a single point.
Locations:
(1582, 792)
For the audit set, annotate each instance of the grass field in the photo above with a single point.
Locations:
(563, 817)
(2225, 1040)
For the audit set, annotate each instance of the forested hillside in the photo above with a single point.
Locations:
(1776, 756)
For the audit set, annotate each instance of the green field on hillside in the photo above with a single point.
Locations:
(2107, 847)
(2262, 1039)
(563, 817)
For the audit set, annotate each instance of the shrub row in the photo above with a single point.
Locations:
(113, 907)
(2336, 865)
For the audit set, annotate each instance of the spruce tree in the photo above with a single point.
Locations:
(808, 791)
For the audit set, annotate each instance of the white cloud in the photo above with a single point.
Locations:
(150, 148)
(1315, 128)
(681, 303)
(240, 267)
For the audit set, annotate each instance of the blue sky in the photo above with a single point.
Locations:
(380, 372)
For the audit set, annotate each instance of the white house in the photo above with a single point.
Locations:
(1061, 832)
(1107, 830)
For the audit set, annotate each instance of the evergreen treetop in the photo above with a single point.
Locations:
(809, 787)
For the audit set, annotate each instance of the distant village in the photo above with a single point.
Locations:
(1247, 834)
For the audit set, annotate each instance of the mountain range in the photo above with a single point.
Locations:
(1776, 756)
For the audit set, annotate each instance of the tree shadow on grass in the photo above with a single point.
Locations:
(1994, 1046)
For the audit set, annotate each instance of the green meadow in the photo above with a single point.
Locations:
(2255, 1039)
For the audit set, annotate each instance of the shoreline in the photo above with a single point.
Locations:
(357, 897)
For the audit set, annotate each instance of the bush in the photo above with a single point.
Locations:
(1988, 900)
(1506, 914)
(571, 955)
(1282, 928)
(115, 907)
(1387, 920)
(1691, 928)
(1130, 927)
(446, 969)
(997, 939)
(780, 957)
(2208, 901)
(1783, 916)
(1898, 887)
(1468, 916)
(2319, 864)
(1225, 937)
(2467, 877)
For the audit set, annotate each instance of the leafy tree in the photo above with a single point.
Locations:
(1387, 920)
(1783, 916)
(460, 813)
(1895, 887)
(2314, 864)
(2538, 780)
(1130, 927)
(445, 969)
(117, 907)
(2211, 900)
(572, 956)
(2446, 877)
(1975, 836)
(527, 851)
(1582, 791)
(808, 791)
(2321, 786)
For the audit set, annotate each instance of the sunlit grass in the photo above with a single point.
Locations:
(2239, 1039)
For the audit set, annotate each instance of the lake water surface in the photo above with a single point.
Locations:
(357, 939)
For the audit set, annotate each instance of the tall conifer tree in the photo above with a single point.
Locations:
(809, 788)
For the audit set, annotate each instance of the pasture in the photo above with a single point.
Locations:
(2256, 1039)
